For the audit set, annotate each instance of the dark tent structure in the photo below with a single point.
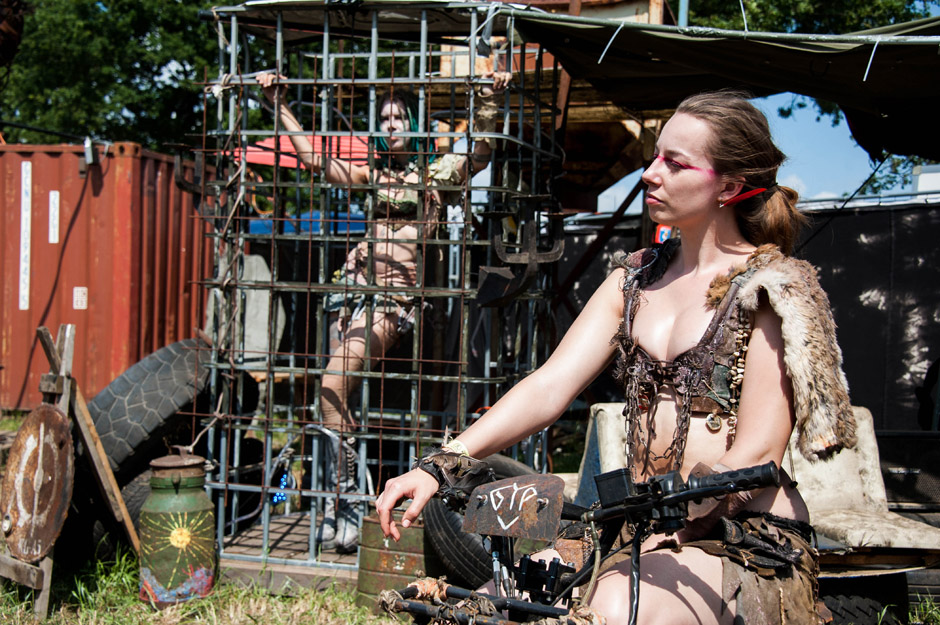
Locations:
(886, 80)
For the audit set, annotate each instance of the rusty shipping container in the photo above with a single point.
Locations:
(114, 248)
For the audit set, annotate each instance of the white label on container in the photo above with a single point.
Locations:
(53, 217)
(26, 215)
(80, 298)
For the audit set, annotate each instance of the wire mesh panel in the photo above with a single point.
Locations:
(383, 229)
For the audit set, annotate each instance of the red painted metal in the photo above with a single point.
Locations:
(122, 265)
(348, 148)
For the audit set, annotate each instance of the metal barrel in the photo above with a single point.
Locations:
(177, 533)
(385, 564)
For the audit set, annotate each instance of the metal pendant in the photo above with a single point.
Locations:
(713, 422)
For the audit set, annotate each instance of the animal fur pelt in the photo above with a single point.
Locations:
(824, 419)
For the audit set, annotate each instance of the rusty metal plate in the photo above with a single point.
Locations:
(527, 506)
(37, 485)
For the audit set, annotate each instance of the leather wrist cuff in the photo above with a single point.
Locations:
(457, 474)
(485, 116)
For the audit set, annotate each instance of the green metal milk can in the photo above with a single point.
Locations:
(177, 533)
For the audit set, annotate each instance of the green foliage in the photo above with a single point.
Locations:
(896, 172)
(831, 17)
(926, 612)
(117, 70)
(11, 421)
(121, 70)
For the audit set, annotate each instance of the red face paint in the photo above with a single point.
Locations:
(675, 165)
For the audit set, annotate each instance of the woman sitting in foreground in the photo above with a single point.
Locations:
(723, 344)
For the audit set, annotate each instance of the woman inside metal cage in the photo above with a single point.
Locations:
(407, 211)
(723, 344)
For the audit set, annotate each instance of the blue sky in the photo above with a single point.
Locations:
(822, 160)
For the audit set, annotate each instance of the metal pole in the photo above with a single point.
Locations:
(232, 69)
(422, 69)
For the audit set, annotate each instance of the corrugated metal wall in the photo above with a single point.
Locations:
(115, 248)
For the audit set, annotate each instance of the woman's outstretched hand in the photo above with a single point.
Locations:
(269, 84)
(501, 80)
(417, 485)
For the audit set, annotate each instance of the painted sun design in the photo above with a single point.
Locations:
(181, 537)
(175, 544)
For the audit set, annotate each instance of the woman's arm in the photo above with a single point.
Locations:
(765, 413)
(486, 114)
(765, 418)
(532, 404)
(338, 171)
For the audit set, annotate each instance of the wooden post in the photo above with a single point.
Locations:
(564, 85)
(77, 409)
(656, 11)
(41, 606)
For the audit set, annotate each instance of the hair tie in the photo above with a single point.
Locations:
(742, 196)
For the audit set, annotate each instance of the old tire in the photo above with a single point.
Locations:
(138, 407)
(135, 493)
(467, 562)
(856, 610)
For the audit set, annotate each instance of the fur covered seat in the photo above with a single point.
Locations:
(846, 496)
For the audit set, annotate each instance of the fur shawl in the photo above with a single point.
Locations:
(825, 422)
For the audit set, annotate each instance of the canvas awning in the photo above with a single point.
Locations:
(889, 94)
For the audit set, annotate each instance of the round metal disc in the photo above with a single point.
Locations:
(37, 486)
(713, 422)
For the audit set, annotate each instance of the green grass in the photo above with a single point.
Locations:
(106, 594)
(926, 612)
(10, 421)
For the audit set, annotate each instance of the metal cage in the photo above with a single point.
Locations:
(279, 233)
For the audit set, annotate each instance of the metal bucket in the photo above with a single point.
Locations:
(177, 533)
(385, 564)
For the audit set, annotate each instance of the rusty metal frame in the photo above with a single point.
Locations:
(510, 345)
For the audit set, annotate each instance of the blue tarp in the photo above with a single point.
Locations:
(340, 223)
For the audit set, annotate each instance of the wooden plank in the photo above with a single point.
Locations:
(21, 572)
(48, 346)
(106, 481)
(86, 427)
(656, 12)
(41, 606)
(65, 347)
(51, 384)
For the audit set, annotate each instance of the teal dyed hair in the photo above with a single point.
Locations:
(417, 148)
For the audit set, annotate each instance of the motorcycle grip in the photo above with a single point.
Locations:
(739, 479)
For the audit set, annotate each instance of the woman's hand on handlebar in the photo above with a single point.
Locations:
(417, 485)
